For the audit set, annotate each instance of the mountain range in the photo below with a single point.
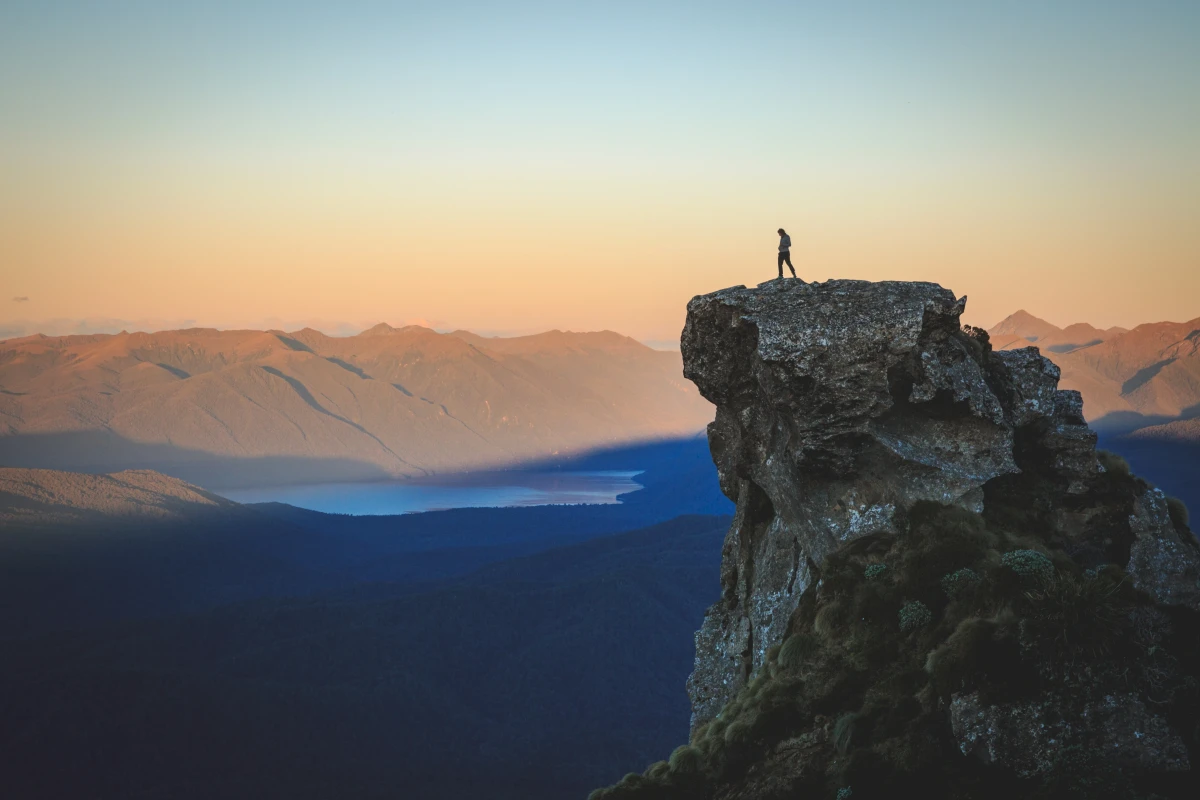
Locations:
(1146, 378)
(236, 408)
(256, 406)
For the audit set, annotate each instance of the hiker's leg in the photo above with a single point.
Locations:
(781, 257)
(788, 255)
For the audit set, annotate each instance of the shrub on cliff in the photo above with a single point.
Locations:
(959, 581)
(1178, 512)
(875, 571)
(1029, 564)
(982, 654)
(941, 540)
(1113, 463)
(977, 340)
(1078, 619)
(686, 760)
(914, 615)
(795, 650)
(843, 732)
(738, 733)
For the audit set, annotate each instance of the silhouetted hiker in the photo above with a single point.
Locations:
(785, 256)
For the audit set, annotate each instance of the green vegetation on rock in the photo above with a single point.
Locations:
(686, 759)
(959, 581)
(1029, 564)
(914, 615)
(1113, 463)
(852, 699)
(1179, 512)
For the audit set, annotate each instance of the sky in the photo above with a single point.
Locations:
(510, 167)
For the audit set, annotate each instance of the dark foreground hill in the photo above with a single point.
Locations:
(161, 642)
(78, 549)
(533, 678)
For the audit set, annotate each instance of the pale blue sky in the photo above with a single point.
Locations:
(860, 124)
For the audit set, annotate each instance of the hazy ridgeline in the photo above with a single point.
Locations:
(238, 408)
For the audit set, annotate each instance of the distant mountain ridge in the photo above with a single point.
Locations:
(394, 401)
(1129, 379)
(1021, 329)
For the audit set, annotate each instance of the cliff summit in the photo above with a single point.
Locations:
(933, 581)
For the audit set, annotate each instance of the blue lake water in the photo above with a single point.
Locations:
(469, 490)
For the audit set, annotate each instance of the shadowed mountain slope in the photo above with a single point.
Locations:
(513, 682)
(77, 550)
(403, 402)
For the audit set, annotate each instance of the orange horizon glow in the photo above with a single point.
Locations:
(558, 171)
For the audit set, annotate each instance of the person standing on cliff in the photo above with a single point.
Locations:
(785, 255)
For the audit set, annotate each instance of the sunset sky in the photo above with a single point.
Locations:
(515, 166)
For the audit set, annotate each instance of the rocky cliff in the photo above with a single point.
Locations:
(932, 579)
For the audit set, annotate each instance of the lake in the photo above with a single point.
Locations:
(435, 493)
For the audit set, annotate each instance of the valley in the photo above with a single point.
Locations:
(315, 655)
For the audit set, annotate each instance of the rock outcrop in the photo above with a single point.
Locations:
(931, 567)
(840, 405)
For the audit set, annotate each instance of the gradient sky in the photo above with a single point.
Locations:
(514, 166)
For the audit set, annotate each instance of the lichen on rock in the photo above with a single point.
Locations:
(1029, 737)
(1163, 563)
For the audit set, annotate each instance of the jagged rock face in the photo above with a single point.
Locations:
(1161, 562)
(1029, 737)
(937, 583)
(839, 406)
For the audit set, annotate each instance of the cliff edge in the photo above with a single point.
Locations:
(932, 577)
